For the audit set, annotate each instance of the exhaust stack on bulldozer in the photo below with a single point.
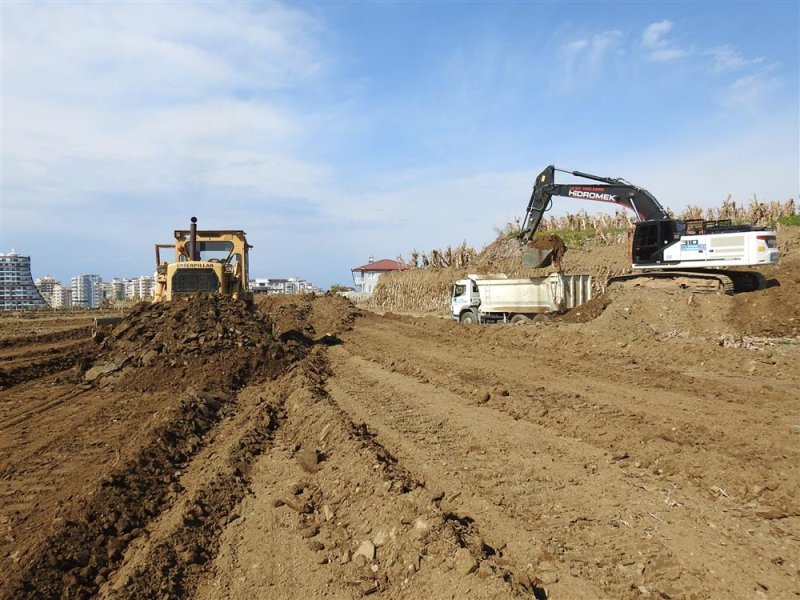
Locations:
(205, 261)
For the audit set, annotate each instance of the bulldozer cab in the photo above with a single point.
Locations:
(205, 261)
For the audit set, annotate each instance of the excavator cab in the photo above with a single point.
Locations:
(651, 238)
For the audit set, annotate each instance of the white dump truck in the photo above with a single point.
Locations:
(498, 299)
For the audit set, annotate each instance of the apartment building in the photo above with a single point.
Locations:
(87, 291)
(289, 285)
(17, 290)
(140, 287)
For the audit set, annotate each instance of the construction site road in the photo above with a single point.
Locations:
(646, 446)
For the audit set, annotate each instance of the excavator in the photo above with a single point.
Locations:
(206, 261)
(696, 254)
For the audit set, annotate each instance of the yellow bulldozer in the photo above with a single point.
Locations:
(206, 261)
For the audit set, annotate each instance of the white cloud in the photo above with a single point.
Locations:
(727, 59)
(658, 46)
(748, 93)
(586, 59)
(653, 34)
(141, 98)
(667, 54)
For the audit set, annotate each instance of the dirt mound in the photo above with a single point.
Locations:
(660, 314)
(307, 313)
(203, 340)
(587, 311)
(774, 311)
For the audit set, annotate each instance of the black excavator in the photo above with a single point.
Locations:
(695, 253)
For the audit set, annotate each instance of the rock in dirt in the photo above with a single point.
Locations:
(420, 527)
(771, 513)
(366, 549)
(297, 504)
(308, 460)
(381, 538)
(100, 370)
(465, 563)
(437, 494)
(548, 578)
(310, 532)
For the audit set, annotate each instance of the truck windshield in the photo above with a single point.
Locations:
(459, 289)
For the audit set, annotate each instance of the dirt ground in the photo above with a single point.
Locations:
(646, 446)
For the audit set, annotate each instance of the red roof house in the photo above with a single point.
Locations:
(366, 276)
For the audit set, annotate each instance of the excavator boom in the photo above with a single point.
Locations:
(616, 191)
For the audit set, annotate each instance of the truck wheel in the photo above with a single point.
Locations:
(519, 319)
(469, 317)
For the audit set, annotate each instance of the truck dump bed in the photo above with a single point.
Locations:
(557, 292)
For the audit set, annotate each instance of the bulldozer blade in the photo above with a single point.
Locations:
(536, 258)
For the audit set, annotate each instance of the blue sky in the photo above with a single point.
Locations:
(335, 131)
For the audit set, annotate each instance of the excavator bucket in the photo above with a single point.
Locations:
(544, 251)
(536, 258)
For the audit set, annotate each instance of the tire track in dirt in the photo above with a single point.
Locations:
(181, 542)
(88, 546)
(86, 541)
(653, 422)
(397, 348)
(36, 362)
(63, 334)
(328, 490)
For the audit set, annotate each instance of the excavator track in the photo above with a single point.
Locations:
(706, 282)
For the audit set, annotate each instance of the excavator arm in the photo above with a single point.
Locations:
(615, 191)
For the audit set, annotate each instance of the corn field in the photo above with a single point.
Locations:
(754, 212)
(458, 257)
(421, 290)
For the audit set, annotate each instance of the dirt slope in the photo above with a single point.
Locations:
(645, 446)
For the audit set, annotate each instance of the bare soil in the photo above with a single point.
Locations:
(646, 445)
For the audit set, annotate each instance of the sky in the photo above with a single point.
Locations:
(335, 131)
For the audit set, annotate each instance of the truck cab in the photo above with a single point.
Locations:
(464, 301)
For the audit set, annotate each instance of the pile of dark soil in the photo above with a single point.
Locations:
(314, 316)
(90, 542)
(587, 311)
(212, 342)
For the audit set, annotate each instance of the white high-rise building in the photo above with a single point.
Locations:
(61, 297)
(87, 291)
(17, 289)
(46, 285)
(117, 289)
(140, 287)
